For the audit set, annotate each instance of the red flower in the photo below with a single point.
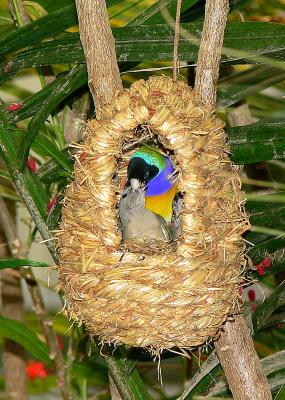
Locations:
(260, 269)
(36, 369)
(251, 295)
(253, 307)
(278, 325)
(31, 164)
(266, 262)
(51, 203)
(13, 107)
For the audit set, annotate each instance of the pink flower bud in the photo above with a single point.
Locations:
(31, 164)
(51, 203)
(251, 295)
(13, 107)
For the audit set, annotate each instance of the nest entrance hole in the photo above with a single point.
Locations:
(139, 136)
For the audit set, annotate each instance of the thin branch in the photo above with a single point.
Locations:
(35, 214)
(209, 56)
(19, 250)
(176, 41)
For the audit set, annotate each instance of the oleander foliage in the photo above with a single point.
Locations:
(36, 132)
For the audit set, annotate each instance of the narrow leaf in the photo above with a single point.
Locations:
(269, 305)
(65, 86)
(18, 262)
(32, 190)
(39, 30)
(252, 38)
(264, 140)
(152, 15)
(50, 149)
(19, 333)
(94, 372)
(238, 86)
(270, 214)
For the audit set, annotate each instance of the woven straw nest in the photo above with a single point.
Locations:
(154, 296)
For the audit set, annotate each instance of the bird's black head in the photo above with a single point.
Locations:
(140, 172)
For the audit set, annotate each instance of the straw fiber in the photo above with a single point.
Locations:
(164, 294)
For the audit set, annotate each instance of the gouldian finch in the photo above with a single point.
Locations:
(139, 223)
(146, 205)
(149, 168)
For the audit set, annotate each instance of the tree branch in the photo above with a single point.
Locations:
(234, 347)
(209, 55)
(99, 50)
(240, 362)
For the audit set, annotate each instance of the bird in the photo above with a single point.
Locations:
(146, 205)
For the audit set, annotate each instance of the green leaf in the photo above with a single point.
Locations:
(31, 105)
(269, 305)
(118, 362)
(55, 214)
(28, 185)
(280, 395)
(94, 372)
(4, 175)
(264, 140)
(253, 38)
(268, 213)
(34, 10)
(18, 262)
(33, 192)
(265, 248)
(239, 85)
(152, 15)
(19, 333)
(66, 85)
(6, 22)
(63, 50)
(197, 14)
(38, 30)
(47, 147)
(202, 379)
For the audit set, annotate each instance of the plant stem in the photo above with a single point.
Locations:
(176, 41)
(38, 303)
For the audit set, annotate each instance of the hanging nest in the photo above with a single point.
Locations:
(158, 297)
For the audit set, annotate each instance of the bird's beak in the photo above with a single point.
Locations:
(135, 184)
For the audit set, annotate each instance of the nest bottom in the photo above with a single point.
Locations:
(148, 304)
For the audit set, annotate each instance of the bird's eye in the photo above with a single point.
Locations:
(146, 175)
